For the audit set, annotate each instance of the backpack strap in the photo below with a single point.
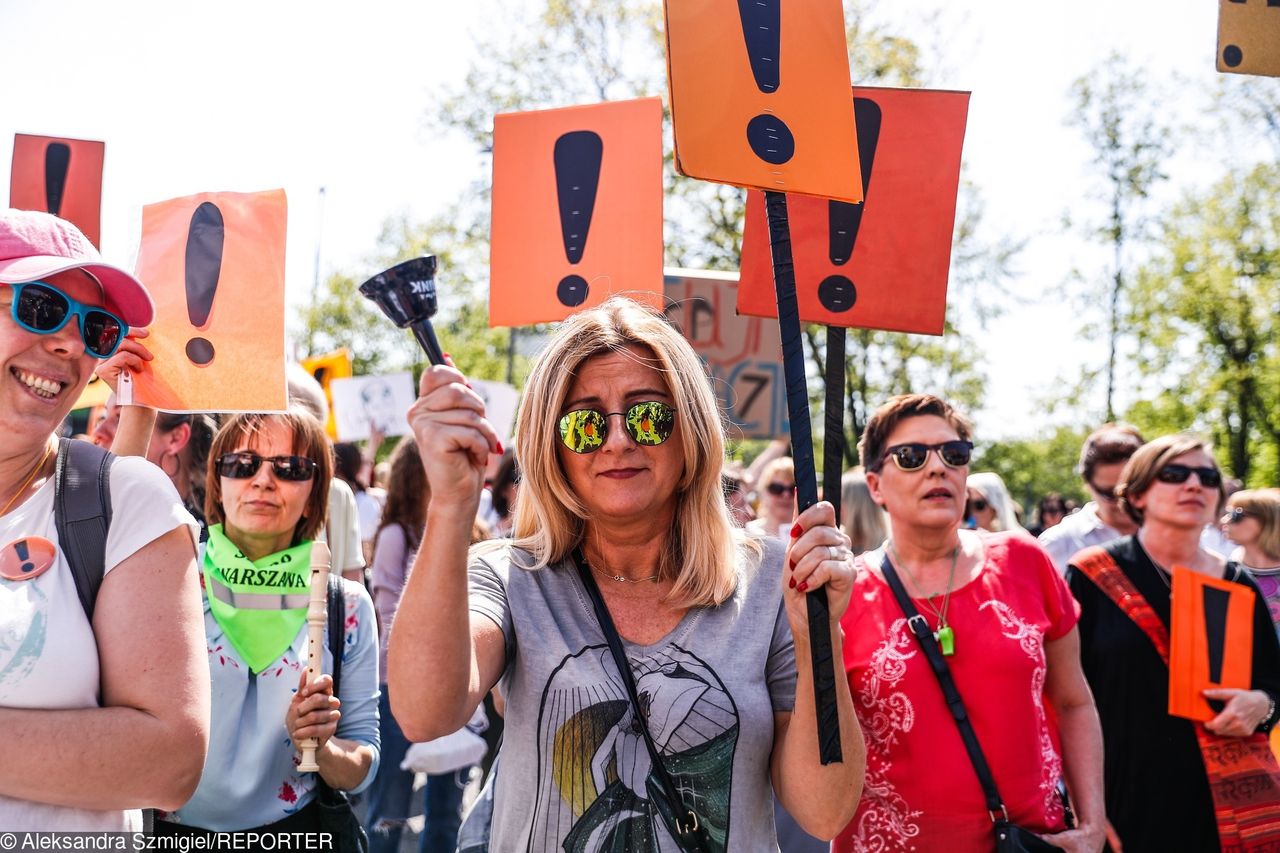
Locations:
(82, 514)
(337, 604)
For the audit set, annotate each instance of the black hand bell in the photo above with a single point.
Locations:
(406, 293)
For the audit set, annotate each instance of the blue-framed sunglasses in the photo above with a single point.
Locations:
(44, 309)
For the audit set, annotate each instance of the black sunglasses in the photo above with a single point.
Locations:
(1108, 495)
(975, 505)
(1210, 478)
(1237, 514)
(779, 489)
(44, 309)
(911, 457)
(243, 464)
(648, 423)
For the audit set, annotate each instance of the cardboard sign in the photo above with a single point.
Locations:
(577, 210)
(500, 404)
(326, 368)
(214, 264)
(1211, 642)
(96, 393)
(383, 401)
(59, 176)
(743, 354)
(1249, 37)
(759, 95)
(882, 264)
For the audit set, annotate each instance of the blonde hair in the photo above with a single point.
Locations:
(549, 519)
(781, 465)
(1141, 469)
(862, 519)
(1264, 505)
(992, 488)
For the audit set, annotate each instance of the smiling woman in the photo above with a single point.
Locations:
(105, 674)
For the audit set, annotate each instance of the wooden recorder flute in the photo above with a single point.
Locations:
(317, 623)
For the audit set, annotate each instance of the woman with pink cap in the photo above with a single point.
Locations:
(103, 694)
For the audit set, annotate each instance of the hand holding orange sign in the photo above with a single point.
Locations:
(214, 264)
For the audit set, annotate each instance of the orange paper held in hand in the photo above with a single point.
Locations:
(760, 95)
(1211, 643)
(577, 210)
(59, 176)
(214, 264)
(1248, 37)
(326, 368)
(882, 264)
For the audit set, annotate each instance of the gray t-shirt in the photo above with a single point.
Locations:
(575, 774)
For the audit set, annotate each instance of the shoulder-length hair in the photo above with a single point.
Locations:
(863, 519)
(1141, 469)
(549, 518)
(993, 490)
(408, 492)
(309, 440)
(1264, 505)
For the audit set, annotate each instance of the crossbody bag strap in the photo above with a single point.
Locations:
(995, 805)
(686, 824)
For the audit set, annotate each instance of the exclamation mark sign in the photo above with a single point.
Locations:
(768, 135)
(837, 292)
(24, 554)
(577, 156)
(57, 159)
(205, 237)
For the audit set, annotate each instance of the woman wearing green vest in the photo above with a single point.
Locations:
(265, 501)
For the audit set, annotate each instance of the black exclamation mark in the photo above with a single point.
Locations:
(205, 237)
(768, 135)
(577, 155)
(836, 292)
(57, 158)
(24, 554)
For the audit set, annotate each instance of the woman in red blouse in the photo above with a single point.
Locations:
(1005, 622)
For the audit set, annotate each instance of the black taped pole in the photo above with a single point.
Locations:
(784, 280)
(833, 411)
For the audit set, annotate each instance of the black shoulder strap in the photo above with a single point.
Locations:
(919, 627)
(337, 604)
(82, 514)
(688, 834)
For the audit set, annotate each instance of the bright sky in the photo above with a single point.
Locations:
(246, 96)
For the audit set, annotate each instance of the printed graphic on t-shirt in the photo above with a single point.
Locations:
(22, 636)
(603, 792)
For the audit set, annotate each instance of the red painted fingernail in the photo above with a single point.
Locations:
(446, 355)
(796, 530)
(804, 585)
(793, 583)
(500, 450)
(793, 564)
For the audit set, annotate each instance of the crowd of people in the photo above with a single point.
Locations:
(611, 610)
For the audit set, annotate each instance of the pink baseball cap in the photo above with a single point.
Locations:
(34, 245)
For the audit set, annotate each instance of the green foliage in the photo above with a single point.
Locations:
(1205, 315)
(1032, 468)
(341, 317)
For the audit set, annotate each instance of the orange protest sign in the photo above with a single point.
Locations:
(1210, 643)
(742, 354)
(760, 95)
(326, 368)
(882, 264)
(59, 176)
(214, 264)
(577, 210)
(1248, 37)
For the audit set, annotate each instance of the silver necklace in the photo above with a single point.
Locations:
(619, 578)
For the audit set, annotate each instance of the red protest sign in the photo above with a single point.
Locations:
(59, 176)
(882, 264)
(577, 210)
(759, 95)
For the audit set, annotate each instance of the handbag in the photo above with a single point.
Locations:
(1010, 838)
(336, 815)
(682, 822)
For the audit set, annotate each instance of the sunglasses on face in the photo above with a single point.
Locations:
(1237, 515)
(975, 505)
(1108, 495)
(911, 457)
(44, 309)
(243, 464)
(1210, 478)
(648, 423)
(780, 489)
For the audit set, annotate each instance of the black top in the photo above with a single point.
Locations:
(1157, 792)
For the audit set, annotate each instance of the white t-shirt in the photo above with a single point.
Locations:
(48, 657)
(342, 528)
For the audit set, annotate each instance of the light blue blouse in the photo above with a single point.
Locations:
(251, 775)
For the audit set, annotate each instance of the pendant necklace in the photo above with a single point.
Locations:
(619, 578)
(945, 636)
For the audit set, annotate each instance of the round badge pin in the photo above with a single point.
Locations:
(27, 558)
